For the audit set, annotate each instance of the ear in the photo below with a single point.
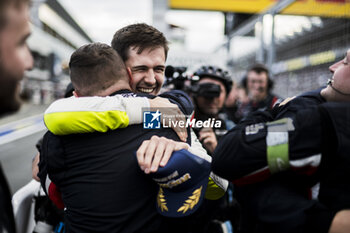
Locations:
(128, 70)
(76, 93)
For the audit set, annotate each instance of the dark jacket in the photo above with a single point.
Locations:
(7, 222)
(102, 186)
(281, 203)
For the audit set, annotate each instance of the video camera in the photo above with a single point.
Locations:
(178, 76)
(207, 90)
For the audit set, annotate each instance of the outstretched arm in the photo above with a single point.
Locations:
(90, 114)
(252, 152)
(158, 150)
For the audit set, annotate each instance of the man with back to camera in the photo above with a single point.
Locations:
(102, 186)
(311, 147)
(15, 58)
(258, 85)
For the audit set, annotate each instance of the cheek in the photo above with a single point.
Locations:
(201, 100)
(160, 79)
(13, 62)
(23, 57)
(222, 98)
(136, 78)
(342, 77)
(250, 85)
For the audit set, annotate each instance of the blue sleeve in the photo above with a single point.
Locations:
(181, 99)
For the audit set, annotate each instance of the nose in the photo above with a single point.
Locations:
(28, 60)
(335, 66)
(150, 78)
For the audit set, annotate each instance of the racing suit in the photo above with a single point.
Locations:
(299, 149)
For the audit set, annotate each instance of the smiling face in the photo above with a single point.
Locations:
(15, 56)
(147, 69)
(340, 81)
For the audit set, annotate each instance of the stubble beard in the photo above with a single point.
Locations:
(10, 100)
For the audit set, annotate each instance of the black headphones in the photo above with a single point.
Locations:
(258, 68)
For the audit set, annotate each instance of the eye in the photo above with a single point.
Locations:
(159, 69)
(139, 69)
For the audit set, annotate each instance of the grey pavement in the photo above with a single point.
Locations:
(16, 156)
(26, 110)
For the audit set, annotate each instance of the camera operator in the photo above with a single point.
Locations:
(209, 95)
(209, 87)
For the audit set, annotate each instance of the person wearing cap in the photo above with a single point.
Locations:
(278, 159)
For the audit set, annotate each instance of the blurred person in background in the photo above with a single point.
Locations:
(258, 86)
(15, 58)
(291, 165)
(236, 98)
(209, 95)
(213, 86)
(231, 104)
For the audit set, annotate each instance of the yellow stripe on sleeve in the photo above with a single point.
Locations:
(64, 123)
(213, 191)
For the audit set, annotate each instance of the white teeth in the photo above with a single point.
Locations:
(145, 90)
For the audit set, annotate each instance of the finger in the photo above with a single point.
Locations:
(158, 102)
(184, 135)
(181, 118)
(207, 129)
(140, 153)
(150, 153)
(181, 145)
(167, 154)
(158, 155)
(203, 135)
(181, 132)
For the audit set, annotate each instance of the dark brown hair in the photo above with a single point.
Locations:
(138, 35)
(4, 6)
(95, 67)
(259, 68)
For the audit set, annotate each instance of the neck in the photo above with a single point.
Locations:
(120, 85)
